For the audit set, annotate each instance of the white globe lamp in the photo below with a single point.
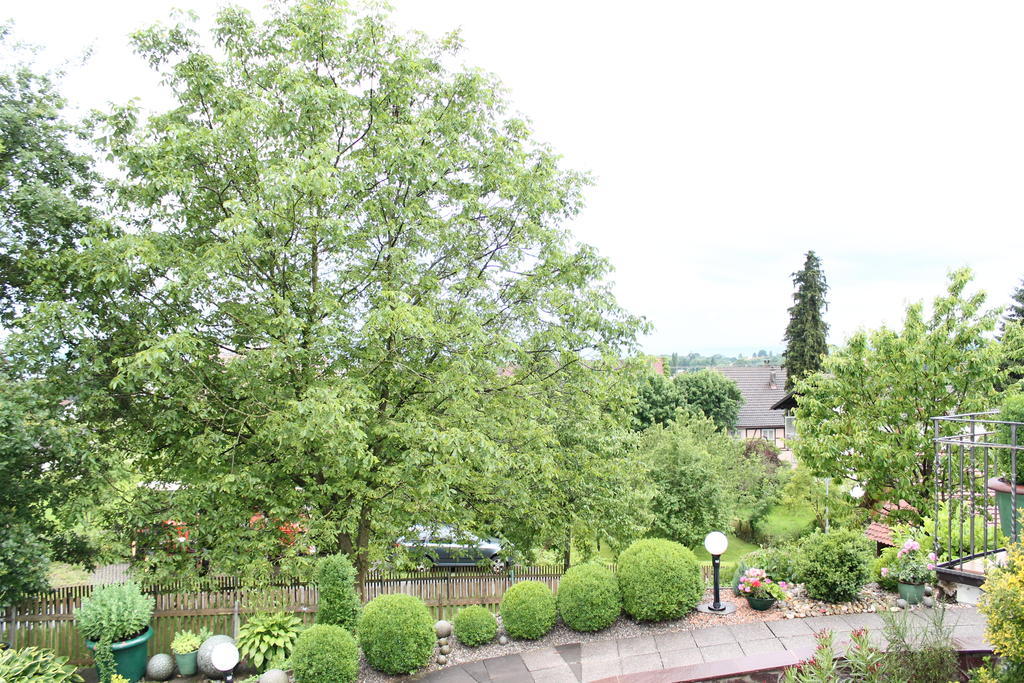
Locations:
(225, 658)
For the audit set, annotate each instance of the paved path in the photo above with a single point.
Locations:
(602, 659)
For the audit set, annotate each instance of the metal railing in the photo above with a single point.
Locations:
(975, 476)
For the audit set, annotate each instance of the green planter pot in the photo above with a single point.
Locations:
(130, 655)
(761, 604)
(911, 592)
(186, 663)
(1001, 488)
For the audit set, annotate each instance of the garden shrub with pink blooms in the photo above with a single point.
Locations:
(755, 583)
(912, 565)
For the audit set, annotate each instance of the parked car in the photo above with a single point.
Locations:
(443, 546)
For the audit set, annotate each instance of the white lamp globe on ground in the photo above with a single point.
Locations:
(716, 543)
(224, 657)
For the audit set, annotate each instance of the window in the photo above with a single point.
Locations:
(768, 434)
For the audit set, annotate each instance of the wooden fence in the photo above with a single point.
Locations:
(47, 619)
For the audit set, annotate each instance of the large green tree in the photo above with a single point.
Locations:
(867, 415)
(46, 184)
(705, 392)
(1015, 312)
(701, 477)
(343, 299)
(807, 330)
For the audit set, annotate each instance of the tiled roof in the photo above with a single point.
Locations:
(879, 533)
(759, 394)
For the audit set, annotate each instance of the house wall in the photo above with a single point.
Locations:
(758, 433)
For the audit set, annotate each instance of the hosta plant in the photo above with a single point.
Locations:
(268, 639)
(36, 664)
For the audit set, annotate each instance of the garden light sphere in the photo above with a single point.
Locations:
(857, 492)
(716, 543)
(224, 657)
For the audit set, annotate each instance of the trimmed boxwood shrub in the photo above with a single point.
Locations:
(325, 653)
(588, 598)
(659, 580)
(475, 625)
(528, 610)
(339, 599)
(397, 633)
(834, 566)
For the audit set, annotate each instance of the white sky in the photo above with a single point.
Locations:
(728, 138)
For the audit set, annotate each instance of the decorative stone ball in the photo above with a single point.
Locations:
(443, 628)
(901, 603)
(206, 650)
(503, 640)
(445, 649)
(928, 601)
(928, 590)
(274, 676)
(442, 641)
(160, 667)
(442, 660)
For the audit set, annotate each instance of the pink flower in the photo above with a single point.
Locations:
(931, 567)
(885, 571)
(932, 557)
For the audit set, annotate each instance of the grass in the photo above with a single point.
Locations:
(785, 524)
(737, 549)
(63, 574)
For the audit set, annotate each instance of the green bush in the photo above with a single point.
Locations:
(834, 566)
(779, 563)
(339, 600)
(397, 633)
(886, 559)
(588, 598)
(475, 625)
(325, 653)
(659, 580)
(1012, 410)
(36, 664)
(266, 640)
(528, 610)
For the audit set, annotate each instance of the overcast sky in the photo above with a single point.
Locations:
(727, 139)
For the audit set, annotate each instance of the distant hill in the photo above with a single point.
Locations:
(690, 362)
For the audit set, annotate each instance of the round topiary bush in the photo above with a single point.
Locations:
(834, 566)
(588, 598)
(396, 633)
(659, 580)
(475, 625)
(528, 610)
(325, 653)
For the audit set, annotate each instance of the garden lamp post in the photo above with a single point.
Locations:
(716, 543)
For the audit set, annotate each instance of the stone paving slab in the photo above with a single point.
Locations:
(597, 660)
(717, 635)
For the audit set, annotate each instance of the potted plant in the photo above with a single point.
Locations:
(115, 623)
(911, 570)
(185, 646)
(1008, 484)
(759, 589)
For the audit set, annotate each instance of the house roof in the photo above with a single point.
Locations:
(879, 533)
(762, 387)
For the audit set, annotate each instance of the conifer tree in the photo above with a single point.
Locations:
(806, 332)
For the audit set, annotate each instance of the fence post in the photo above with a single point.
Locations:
(12, 626)
(235, 619)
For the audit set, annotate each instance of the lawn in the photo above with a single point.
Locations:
(785, 523)
(737, 549)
